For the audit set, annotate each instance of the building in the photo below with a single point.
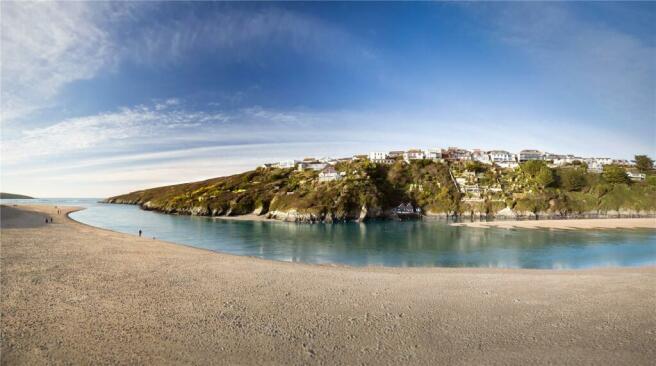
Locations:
(481, 156)
(454, 153)
(434, 154)
(315, 165)
(499, 156)
(595, 166)
(566, 160)
(359, 157)
(622, 162)
(329, 174)
(377, 155)
(285, 164)
(395, 154)
(635, 176)
(526, 155)
(406, 209)
(508, 164)
(413, 154)
(380, 158)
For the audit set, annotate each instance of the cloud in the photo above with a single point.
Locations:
(613, 67)
(45, 46)
(104, 130)
(49, 45)
(235, 35)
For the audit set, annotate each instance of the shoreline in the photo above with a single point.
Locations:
(647, 222)
(74, 293)
(566, 224)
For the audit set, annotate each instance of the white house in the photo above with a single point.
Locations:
(526, 155)
(499, 156)
(329, 174)
(481, 156)
(380, 158)
(636, 176)
(377, 155)
(413, 154)
(508, 164)
(595, 166)
(286, 164)
(434, 154)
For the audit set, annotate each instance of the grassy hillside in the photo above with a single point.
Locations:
(368, 190)
(4, 195)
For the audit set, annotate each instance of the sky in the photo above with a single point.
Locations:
(100, 99)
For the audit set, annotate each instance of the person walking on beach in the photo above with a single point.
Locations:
(139, 232)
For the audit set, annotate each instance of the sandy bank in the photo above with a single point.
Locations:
(248, 217)
(12, 217)
(76, 294)
(627, 223)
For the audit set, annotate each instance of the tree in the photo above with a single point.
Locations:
(545, 177)
(615, 174)
(572, 179)
(644, 163)
(533, 167)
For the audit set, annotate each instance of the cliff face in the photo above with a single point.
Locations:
(368, 191)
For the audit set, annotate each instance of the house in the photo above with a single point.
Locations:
(329, 174)
(499, 156)
(315, 165)
(454, 153)
(380, 158)
(595, 167)
(377, 155)
(566, 159)
(434, 154)
(359, 157)
(481, 156)
(550, 156)
(266, 165)
(286, 164)
(622, 162)
(508, 164)
(526, 155)
(413, 154)
(395, 154)
(406, 209)
(635, 176)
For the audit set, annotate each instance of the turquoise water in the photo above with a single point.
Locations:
(386, 243)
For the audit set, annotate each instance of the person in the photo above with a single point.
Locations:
(139, 232)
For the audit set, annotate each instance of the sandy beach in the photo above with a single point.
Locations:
(572, 224)
(74, 294)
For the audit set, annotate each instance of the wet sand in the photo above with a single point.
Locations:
(77, 294)
(572, 224)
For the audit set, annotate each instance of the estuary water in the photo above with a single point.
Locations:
(384, 243)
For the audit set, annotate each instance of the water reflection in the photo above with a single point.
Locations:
(385, 243)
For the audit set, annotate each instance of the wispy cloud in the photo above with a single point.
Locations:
(48, 45)
(45, 46)
(614, 67)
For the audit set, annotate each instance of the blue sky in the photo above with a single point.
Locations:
(104, 98)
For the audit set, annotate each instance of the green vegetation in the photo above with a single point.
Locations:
(4, 195)
(644, 163)
(369, 190)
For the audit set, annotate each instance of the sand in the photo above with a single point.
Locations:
(80, 295)
(247, 217)
(572, 224)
